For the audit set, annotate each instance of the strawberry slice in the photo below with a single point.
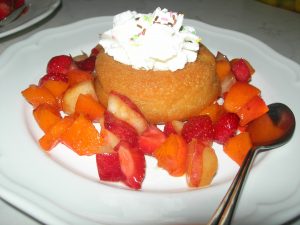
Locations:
(133, 165)
(123, 130)
(151, 139)
(108, 165)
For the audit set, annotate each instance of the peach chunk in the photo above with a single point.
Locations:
(238, 95)
(53, 135)
(91, 108)
(82, 137)
(202, 164)
(76, 76)
(172, 155)
(71, 95)
(46, 116)
(56, 87)
(238, 146)
(37, 95)
(255, 108)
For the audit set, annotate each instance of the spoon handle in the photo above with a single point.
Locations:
(224, 212)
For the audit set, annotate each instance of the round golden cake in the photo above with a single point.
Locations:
(161, 95)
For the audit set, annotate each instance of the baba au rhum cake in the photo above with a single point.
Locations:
(157, 63)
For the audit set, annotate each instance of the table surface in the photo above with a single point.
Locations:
(276, 27)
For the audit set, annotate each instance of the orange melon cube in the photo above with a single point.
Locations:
(46, 116)
(172, 155)
(37, 95)
(223, 67)
(239, 95)
(82, 137)
(263, 131)
(255, 108)
(238, 146)
(91, 108)
(214, 111)
(77, 76)
(53, 136)
(57, 88)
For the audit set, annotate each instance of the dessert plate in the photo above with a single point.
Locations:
(37, 11)
(62, 188)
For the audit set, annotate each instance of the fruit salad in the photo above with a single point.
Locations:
(66, 108)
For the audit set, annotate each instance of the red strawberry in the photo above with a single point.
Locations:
(108, 165)
(226, 127)
(124, 131)
(87, 64)
(95, 51)
(133, 165)
(240, 70)
(173, 127)
(151, 139)
(5, 8)
(199, 127)
(19, 3)
(53, 76)
(169, 129)
(59, 64)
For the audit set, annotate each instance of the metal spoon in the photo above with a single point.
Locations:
(284, 124)
(11, 17)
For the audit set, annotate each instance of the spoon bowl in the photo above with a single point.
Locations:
(268, 132)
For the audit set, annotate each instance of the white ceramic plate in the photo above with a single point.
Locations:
(38, 10)
(63, 188)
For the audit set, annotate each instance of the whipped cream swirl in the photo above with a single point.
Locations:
(155, 41)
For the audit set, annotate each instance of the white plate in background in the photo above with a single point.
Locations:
(37, 11)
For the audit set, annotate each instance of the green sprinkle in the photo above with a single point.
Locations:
(148, 18)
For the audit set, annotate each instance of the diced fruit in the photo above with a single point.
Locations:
(71, 95)
(202, 164)
(57, 88)
(53, 135)
(90, 107)
(87, 64)
(37, 95)
(198, 127)
(5, 9)
(95, 51)
(123, 108)
(133, 165)
(263, 130)
(46, 116)
(124, 131)
(255, 108)
(82, 137)
(239, 95)
(151, 139)
(172, 155)
(240, 70)
(108, 140)
(214, 111)
(238, 146)
(76, 76)
(59, 64)
(227, 83)
(53, 76)
(174, 127)
(226, 127)
(19, 3)
(109, 168)
(223, 67)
